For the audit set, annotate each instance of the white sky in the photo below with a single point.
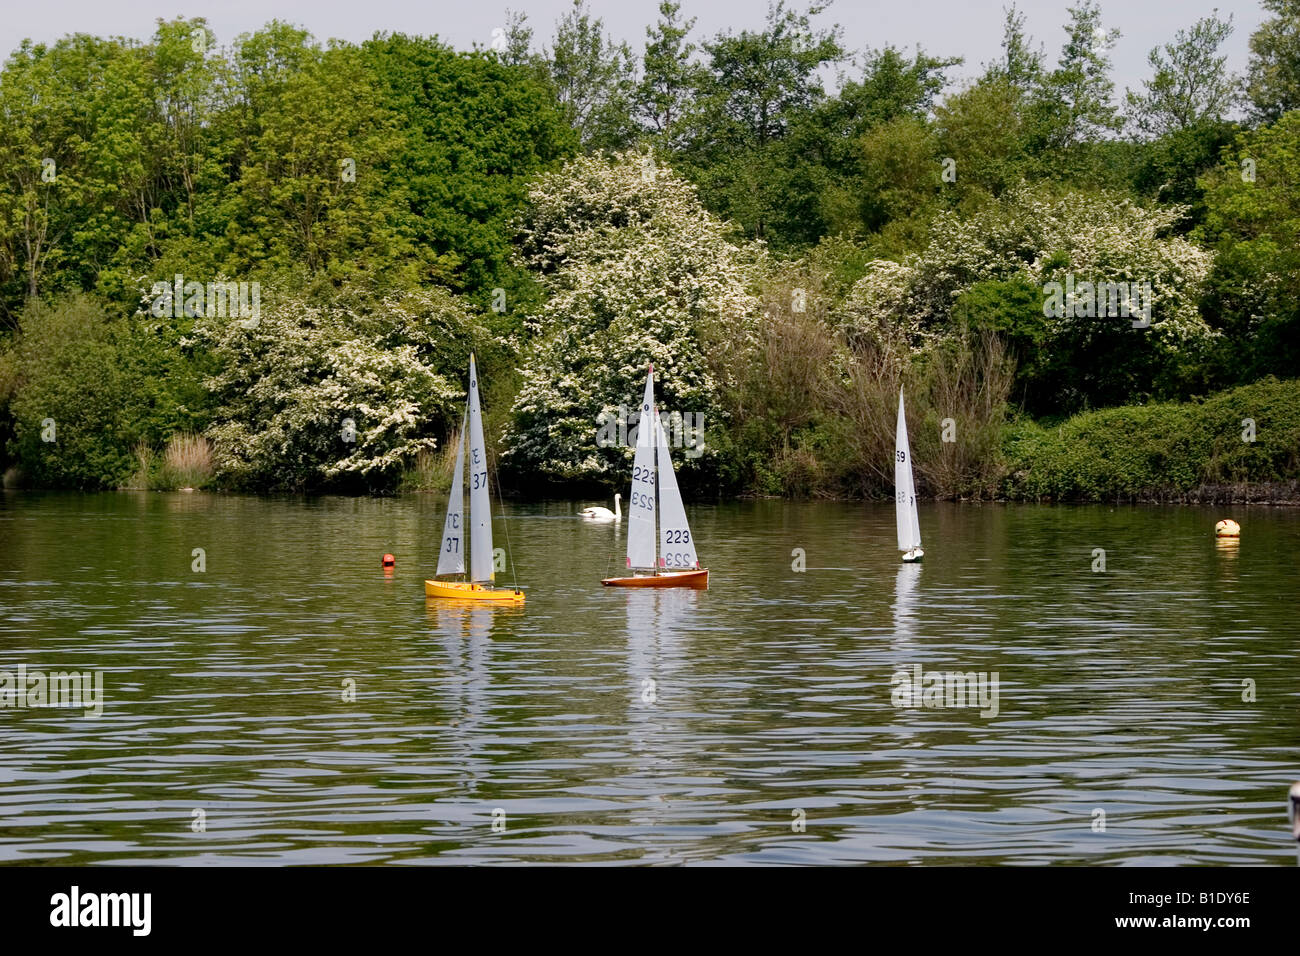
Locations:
(969, 28)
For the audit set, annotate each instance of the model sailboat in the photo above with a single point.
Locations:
(654, 491)
(451, 556)
(909, 528)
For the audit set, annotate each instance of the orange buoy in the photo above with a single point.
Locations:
(390, 561)
(1227, 528)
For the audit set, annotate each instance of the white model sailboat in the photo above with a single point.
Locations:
(909, 528)
(668, 559)
(451, 556)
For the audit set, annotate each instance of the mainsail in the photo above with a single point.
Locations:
(677, 550)
(909, 528)
(480, 502)
(641, 502)
(451, 558)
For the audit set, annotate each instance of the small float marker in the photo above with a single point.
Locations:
(1227, 528)
(390, 561)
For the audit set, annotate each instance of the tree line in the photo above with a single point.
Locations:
(785, 245)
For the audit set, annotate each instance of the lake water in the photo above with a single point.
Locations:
(293, 704)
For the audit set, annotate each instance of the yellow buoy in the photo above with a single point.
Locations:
(1227, 528)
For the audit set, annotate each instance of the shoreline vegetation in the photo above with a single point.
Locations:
(262, 265)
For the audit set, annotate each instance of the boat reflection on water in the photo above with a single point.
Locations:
(909, 575)
(656, 739)
(654, 652)
(463, 629)
(451, 616)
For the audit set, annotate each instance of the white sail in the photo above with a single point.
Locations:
(676, 547)
(480, 502)
(451, 558)
(909, 528)
(641, 502)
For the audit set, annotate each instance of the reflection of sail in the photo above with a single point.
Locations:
(464, 631)
(904, 657)
(905, 603)
(653, 649)
(655, 694)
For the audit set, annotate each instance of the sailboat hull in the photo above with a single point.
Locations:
(467, 591)
(698, 579)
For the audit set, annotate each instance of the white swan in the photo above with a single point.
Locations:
(604, 514)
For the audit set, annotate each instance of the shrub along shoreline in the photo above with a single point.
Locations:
(1241, 446)
(1236, 446)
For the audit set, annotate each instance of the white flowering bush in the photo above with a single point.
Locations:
(1036, 236)
(884, 311)
(636, 272)
(1030, 232)
(340, 394)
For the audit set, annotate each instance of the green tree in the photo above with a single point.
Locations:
(981, 128)
(1190, 85)
(845, 141)
(474, 130)
(83, 389)
(892, 85)
(185, 83)
(595, 79)
(1252, 223)
(1073, 104)
(315, 186)
(671, 77)
(518, 36)
(1171, 167)
(761, 86)
(901, 176)
(45, 131)
(1021, 65)
(761, 81)
(1273, 78)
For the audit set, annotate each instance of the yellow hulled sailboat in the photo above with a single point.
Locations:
(478, 586)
